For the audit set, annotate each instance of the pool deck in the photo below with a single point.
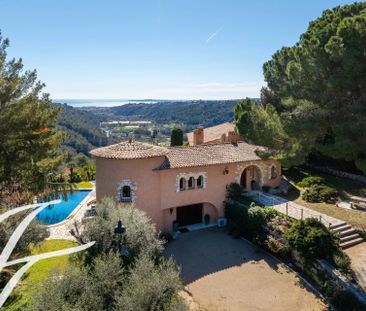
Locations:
(62, 229)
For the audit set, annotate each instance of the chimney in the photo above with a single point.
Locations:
(223, 139)
(198, 136)
(232, 137)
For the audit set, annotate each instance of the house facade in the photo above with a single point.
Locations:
(180, 186)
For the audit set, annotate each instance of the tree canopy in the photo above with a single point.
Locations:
(176, 138)
(29, 139)
(321, 84)
(102, 279)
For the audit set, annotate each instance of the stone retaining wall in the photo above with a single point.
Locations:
(324, 169)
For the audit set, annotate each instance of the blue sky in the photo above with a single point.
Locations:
(172, 49)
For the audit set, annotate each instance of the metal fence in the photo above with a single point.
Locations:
(288, 208)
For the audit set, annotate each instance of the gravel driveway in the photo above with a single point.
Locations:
(223, 273)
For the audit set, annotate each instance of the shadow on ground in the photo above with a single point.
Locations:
(223, 273)
(203, 252)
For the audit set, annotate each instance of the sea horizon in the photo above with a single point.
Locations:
(120, 102)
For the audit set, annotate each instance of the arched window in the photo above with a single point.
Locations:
(125, 194)
(191, 183)
(200, 182)
(182, 184)
(273, 172)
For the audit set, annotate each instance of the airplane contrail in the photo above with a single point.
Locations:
(214, 34)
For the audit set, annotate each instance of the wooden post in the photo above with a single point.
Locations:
(302, 213)
(320, 218)
(286, 208)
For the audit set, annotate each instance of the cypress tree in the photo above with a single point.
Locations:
(176, 138)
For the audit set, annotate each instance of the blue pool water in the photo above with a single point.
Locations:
(55, 213)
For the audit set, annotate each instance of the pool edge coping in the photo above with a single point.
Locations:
(75, 210)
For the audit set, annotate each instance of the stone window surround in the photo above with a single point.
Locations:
(133, 187)
(186, 176)
(270, 175)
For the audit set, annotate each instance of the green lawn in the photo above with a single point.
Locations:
(36, 275)
(85, 185)
(345, 188)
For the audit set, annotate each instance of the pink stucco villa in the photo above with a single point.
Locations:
(181, 186)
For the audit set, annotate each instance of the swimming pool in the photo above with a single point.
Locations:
(56, 213)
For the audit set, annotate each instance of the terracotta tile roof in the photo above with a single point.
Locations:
(213, 132)
(129, 150)
(203, 155)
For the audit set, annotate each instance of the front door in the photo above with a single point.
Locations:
(189, 215)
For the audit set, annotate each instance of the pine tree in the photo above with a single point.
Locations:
(29, 139)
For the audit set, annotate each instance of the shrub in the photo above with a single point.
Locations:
(237, 216)
(255, 221)
(330, 288)
(107, 285)
(312, 239)
(243, 221)
(320, 193)
(310, 181)
(166, 236)
(266, 188)
(141, 236)
(151, 287)
(278, 248)
(270, 212)
(345, 300)
(234, 191)
(342, 262)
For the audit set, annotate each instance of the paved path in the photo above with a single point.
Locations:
(62, 230)
(293, 210)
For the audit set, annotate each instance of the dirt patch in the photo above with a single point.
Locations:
(358, 262)
(223, 273)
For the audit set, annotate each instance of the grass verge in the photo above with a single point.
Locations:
(345, 188)
(85, 185)
(37, 274)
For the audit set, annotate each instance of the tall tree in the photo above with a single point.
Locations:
(321, 82)
(29, 140)
(176, 138)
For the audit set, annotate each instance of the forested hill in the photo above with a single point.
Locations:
(81, 129)
(190, 113)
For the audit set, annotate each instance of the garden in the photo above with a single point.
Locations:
(320, 192)
(307, 245)
(120, 272)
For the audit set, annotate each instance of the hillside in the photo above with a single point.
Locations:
(81, 129)
(190, 113)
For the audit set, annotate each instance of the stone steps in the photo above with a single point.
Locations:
(343, 228)
(351, 243)
(337, 225)
(348, 235)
